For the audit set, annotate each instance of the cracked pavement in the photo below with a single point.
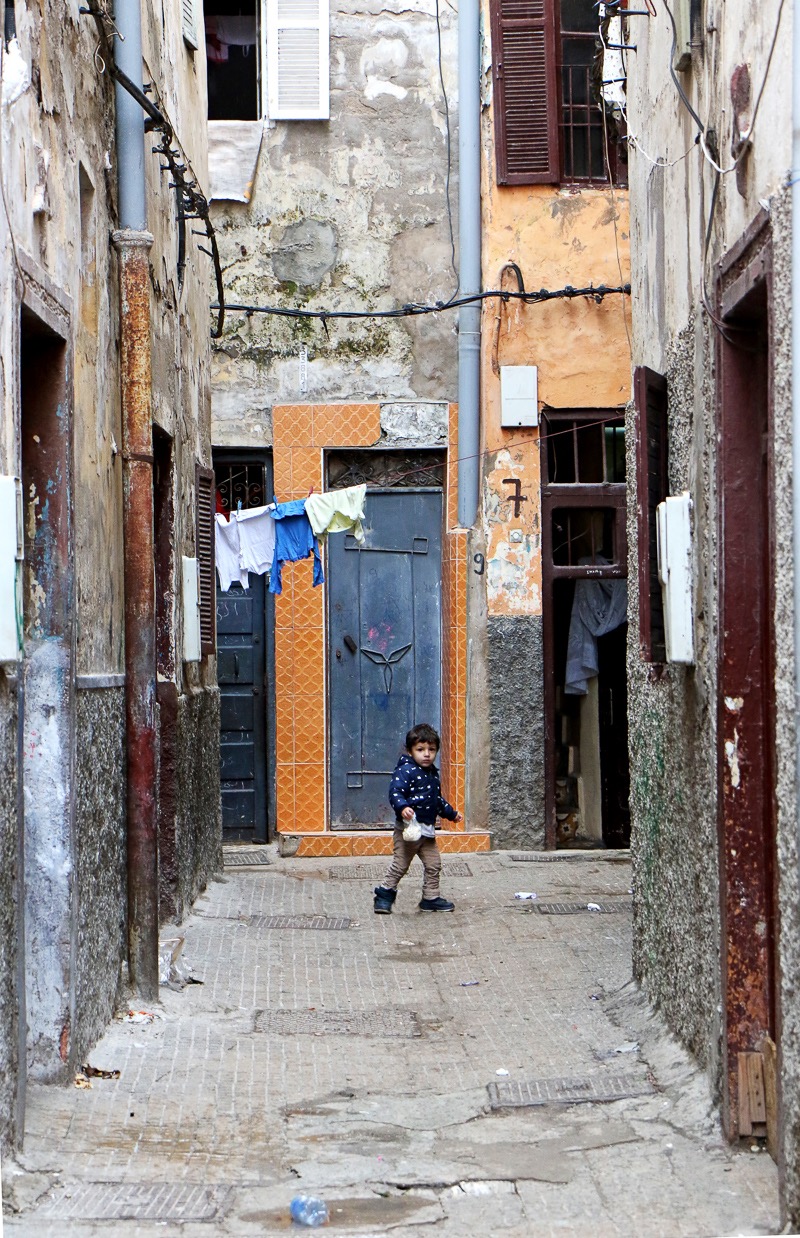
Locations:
(357, 1063)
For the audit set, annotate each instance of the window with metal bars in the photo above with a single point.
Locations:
(547, 75)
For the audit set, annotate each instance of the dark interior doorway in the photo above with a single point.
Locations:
(245, 665)
(584, 551)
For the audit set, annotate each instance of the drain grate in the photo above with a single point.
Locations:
(555, 857)
(115, 1201)
(239, 858)
(299, 922)
(574, 909)
(383, 1024)
(591, 1088)
(376, 872)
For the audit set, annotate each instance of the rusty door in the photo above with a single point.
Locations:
(746, 742)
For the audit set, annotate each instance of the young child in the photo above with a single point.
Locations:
(415, 790)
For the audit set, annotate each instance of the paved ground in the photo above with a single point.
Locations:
(362, 1062)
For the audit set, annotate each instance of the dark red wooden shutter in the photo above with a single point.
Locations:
(650, 391)
(525, 91)
(204, 480)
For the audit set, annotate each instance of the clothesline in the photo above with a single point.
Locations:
(260, 540)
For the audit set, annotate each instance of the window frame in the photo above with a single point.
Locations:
(651, 402)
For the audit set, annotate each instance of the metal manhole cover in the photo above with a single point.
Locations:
(592, 1088)
(553, 857)
(392, 1024)
(299, 922)
(237, 858)
(115, 1201)
(375, 872)
(574, 909)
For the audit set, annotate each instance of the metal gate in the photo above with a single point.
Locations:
(385, 647)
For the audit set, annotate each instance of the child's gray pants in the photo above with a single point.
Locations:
(404, 853)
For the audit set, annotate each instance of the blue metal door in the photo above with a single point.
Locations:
(240, 672)
(385, 629)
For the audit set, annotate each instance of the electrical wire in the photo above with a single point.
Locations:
(448, 141)
(594, 291)
(192, 202)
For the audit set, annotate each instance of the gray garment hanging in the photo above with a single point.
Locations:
(598, 607)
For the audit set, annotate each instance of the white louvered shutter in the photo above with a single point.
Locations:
(189, 24)
(297, 59)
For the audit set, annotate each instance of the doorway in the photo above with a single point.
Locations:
(745, 722)
(385, 644)
(245, 661)
(584, 571)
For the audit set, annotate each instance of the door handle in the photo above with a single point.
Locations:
(236, 666)
(350, 643)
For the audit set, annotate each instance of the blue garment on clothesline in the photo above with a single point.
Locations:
(294, 540)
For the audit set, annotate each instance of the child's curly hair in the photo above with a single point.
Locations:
(422, 733)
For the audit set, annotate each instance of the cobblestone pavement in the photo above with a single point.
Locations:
(374, 1061)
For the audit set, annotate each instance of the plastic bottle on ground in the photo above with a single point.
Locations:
(308, 1210)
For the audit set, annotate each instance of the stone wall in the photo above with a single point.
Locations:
(10, 960)
(100, 861)
(349, 214)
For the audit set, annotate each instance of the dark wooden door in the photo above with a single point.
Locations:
(241, 666)
(385, 647)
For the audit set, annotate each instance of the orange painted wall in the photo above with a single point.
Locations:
(558, 237)
(302, 432)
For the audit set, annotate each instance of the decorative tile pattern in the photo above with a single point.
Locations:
(301, 433)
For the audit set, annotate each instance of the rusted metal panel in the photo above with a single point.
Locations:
(745, 739)
(140, 645)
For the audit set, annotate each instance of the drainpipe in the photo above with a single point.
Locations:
(133, 243)
(469, 258)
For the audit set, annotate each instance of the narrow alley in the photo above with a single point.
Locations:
(495, 1071)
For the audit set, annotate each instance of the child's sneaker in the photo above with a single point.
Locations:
(384, 900)
(436, 904)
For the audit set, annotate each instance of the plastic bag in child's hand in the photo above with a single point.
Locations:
(413, 830)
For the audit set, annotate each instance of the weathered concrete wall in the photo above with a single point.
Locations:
(9, 925)
(672, 743)
(100, 860)
(190, 825)
(348, 214)
(673, 722)
(557, 236)
(516, 728)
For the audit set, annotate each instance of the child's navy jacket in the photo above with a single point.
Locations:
(420, 789)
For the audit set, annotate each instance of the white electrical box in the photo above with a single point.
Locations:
(519, 396)
(674, 540)
(191, 610)
(11, 552)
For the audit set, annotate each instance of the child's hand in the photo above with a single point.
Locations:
(459, 816)
(407, 814)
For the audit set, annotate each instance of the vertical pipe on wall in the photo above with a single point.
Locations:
(469, 258)
(133, 243)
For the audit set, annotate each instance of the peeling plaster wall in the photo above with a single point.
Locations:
(557, 236)
(347, 214)
(673, 722)
(57, 133)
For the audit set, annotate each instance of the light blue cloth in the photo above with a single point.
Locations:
(294, 540)
(599, 606)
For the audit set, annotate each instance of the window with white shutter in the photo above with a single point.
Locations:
(298, 59)
(189, 23)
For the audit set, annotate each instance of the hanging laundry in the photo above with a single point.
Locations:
(294, 540)
(226, 549)
(225, 32)
(256, 538)
(337, 511)
(599, 606)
